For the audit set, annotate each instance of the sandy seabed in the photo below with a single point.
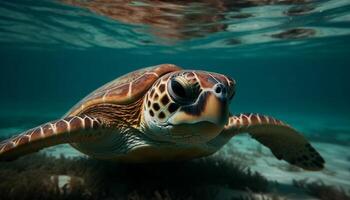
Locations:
(243, 169)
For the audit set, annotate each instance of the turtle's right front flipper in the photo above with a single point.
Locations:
(66, 130)
(284, 142)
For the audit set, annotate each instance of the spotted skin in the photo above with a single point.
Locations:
(162, 113)
(159, 102)
(56, 132)
(284, 142)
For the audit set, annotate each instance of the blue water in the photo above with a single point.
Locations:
(290, 58)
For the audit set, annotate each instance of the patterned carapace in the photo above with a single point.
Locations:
(162, 113)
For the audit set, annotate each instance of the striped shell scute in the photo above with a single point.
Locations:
(125, 89)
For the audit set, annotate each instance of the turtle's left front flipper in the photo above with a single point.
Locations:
(67, 130)
(284, 142)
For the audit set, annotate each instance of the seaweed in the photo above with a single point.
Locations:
(239, 157)
(251, 196)
(287, 167)
(38, 176)
(321, 190)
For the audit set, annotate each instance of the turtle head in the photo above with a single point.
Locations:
(188, 107)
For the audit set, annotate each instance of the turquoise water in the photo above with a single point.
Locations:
(290, 58)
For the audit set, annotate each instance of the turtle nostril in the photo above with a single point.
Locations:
(224, 90)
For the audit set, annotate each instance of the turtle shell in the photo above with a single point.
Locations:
(125, 89)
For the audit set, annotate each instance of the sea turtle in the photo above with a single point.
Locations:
(162, 113)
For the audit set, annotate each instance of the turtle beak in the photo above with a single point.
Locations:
(207, 117)
(209, 107)
(202, 121)
(215, 109)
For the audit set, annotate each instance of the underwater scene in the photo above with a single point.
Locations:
(253, 99)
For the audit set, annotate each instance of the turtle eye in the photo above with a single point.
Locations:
(178, 89)
(182, 92)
